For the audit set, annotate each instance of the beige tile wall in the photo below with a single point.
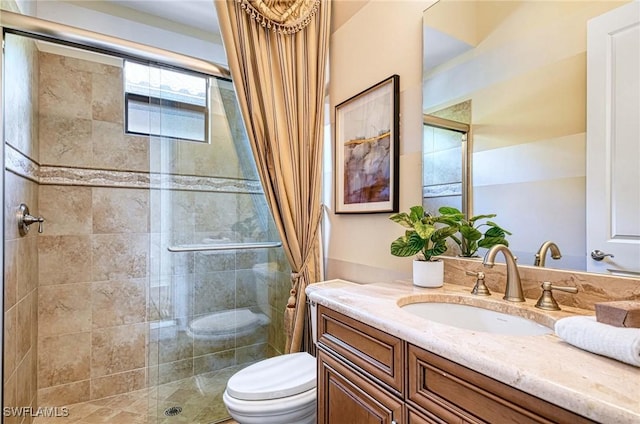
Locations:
(21, 253)
(92, 300)
(105, 273)
(95, 252)
(21, 296)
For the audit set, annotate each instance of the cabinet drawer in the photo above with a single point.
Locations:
(426, 417)
(373, 352)
(438, 382)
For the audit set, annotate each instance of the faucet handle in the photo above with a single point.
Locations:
(25, 219)
(480, 289)
(546, 300)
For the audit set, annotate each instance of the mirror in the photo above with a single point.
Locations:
(521, 68)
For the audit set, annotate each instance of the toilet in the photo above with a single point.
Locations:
(277, 390)
(226, 325)
(231, 324)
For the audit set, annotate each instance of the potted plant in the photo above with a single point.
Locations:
(472, 235)
(425, 237)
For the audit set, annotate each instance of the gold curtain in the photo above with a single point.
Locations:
(277, 52)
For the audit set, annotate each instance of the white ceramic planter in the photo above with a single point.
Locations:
(428, 274)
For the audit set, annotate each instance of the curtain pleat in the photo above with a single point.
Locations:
(279, 77)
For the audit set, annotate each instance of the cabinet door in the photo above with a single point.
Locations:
(345, 397)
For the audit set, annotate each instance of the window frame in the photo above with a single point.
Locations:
(173, 104)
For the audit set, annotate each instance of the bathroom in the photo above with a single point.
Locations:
(361, 55)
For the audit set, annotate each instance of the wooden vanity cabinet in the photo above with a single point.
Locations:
(367, 376)
(360, 372)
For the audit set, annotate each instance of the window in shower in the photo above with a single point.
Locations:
(165, 102)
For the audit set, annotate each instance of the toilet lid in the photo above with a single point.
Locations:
(273, 378)
(225, 322)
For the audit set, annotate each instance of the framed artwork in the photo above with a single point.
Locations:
(367, 150)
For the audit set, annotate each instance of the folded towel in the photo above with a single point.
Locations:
(622, 344)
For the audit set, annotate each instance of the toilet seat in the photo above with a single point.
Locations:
(278, 377)
(226, 324)
(296, 409)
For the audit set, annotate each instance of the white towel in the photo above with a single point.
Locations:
(622, 344)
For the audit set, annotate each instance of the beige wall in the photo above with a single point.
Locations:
(383, 38)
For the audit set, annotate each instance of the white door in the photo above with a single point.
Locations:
(613, 141)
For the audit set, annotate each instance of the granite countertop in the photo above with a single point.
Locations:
(545, 366)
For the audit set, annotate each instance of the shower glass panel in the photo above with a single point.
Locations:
(217, 308)
(111, 301)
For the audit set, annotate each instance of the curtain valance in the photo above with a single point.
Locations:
(282, 16)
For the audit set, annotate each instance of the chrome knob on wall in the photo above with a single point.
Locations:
(25, 219)
(598, 255)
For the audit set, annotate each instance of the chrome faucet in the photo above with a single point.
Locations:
(513, 291)
(542, 253)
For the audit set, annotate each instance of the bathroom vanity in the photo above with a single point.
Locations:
(378, 363)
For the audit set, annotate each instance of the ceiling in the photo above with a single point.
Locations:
(199, 14)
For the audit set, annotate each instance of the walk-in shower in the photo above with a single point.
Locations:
(158, 272)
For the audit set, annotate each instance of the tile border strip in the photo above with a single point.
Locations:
(21, 165)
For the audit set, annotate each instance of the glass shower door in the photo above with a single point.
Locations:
(219, 285)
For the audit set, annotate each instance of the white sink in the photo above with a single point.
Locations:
(476, 319)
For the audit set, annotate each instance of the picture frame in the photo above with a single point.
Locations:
(366, 150)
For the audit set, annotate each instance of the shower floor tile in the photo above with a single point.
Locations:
(200, 398)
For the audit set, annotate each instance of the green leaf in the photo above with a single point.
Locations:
(488, 242)
(449, 210)
(416, 213)
(494, 232)
(438, 249)
(402, 219)
(416, 241)
(493, 224)
(424, 230)
(470, 233)
(442, 233)
(404, 246)
(477, 217)
(448, 220)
